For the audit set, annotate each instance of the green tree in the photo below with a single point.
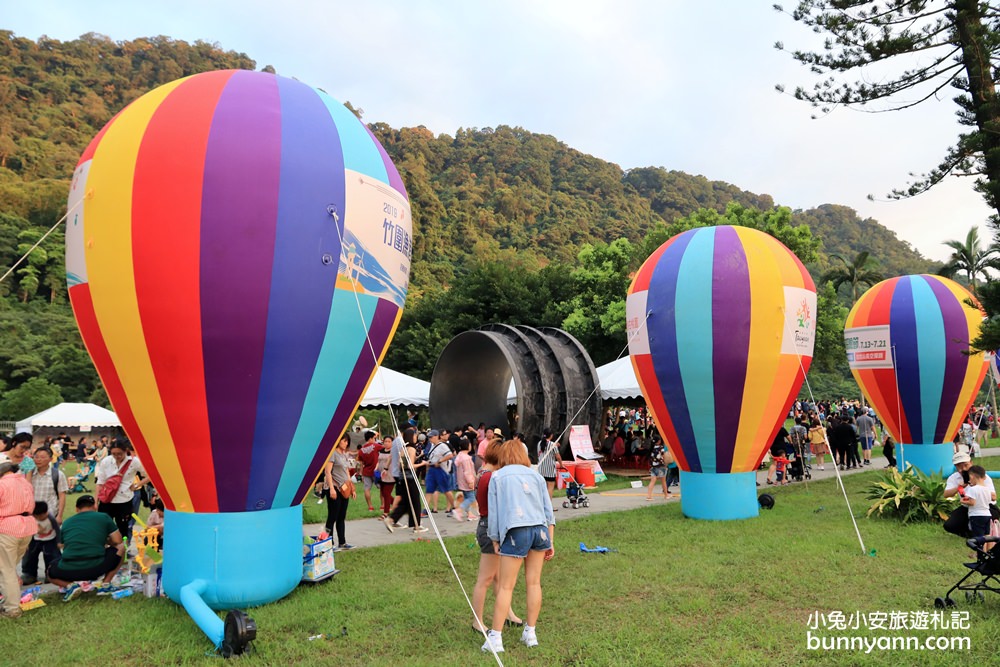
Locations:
(776, 222)
(856, 273)
(33, 396)
(933, 45)
(828, 354)
(971, 258)
(597, 308)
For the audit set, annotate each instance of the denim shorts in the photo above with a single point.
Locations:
(658, 471)
(519, 541)
(437, 481)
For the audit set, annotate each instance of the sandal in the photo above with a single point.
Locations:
(512, 624)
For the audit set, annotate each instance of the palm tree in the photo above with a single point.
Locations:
(858, 273)
(970, 258)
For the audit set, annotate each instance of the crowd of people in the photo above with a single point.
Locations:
(75, 550)
(482, 477)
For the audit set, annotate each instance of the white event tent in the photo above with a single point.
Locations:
(390, 387)
(618, 380)
(70, 415)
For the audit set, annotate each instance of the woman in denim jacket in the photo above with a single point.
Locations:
(521, 526)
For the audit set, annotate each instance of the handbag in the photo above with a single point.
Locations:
(110, 487)
(346, 489)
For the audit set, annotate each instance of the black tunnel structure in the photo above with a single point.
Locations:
(554, 377)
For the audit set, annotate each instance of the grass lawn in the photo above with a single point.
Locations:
(677, 592)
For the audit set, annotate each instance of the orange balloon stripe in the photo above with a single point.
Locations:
(788, 374)
(90, 330)
(167, 196)
(642, 364)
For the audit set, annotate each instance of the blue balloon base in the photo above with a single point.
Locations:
(719, 496)
(927, 458)
(230, 560)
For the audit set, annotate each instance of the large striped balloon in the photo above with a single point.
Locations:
(721, 325)
(907, 342)
(233, 237)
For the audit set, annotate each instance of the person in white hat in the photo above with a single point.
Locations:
(958, 521)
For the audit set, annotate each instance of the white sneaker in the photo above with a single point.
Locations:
(528, 638)
(493, 643)
(421, 529)
(458, 515)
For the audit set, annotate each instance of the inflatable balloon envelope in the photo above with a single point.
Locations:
(237, 254)
(907, 342)
(721, 325)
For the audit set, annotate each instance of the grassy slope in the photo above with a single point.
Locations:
(678, 592)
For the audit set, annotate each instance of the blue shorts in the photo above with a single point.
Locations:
(866, 442)
(519, 541)
(658, 471)
(437, 481)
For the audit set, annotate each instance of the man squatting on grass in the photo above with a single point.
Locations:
(92, 548)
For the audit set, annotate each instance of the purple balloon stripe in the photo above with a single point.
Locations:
(731, 338)
(956, 333)
(395, 180)
(662, 324)
(903, 338)
(312, 179)
(379, 330)
(239, 212)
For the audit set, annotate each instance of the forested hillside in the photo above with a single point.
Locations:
(509, 225)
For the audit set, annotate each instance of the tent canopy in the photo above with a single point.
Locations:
(390, 387)
(70, 415)
(618, 380)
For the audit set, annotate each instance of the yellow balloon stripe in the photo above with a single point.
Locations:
(108, 251)
(767, 301)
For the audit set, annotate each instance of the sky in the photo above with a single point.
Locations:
(672, 83)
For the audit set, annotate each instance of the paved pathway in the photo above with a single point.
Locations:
(371, 532)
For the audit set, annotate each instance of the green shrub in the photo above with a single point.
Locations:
(910, 495)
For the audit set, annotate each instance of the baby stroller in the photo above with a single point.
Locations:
(85, 470)
(75, 484)
(987, 565)
(797, 468)
(575, 495)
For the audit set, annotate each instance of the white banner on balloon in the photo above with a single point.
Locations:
(868, 347)
(635, 316)
(799, 337)
(376, 256)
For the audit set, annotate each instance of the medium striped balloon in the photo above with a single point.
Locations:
(721, 323)
(907, 340)
(232, 238)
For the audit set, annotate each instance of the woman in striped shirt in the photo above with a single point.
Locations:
(548, 461)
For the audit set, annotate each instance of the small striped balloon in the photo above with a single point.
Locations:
(907, 341)
(721, 323)
(232, 237)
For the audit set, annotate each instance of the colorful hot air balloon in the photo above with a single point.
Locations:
(907, 343)
(721, 324)
(237, 254)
